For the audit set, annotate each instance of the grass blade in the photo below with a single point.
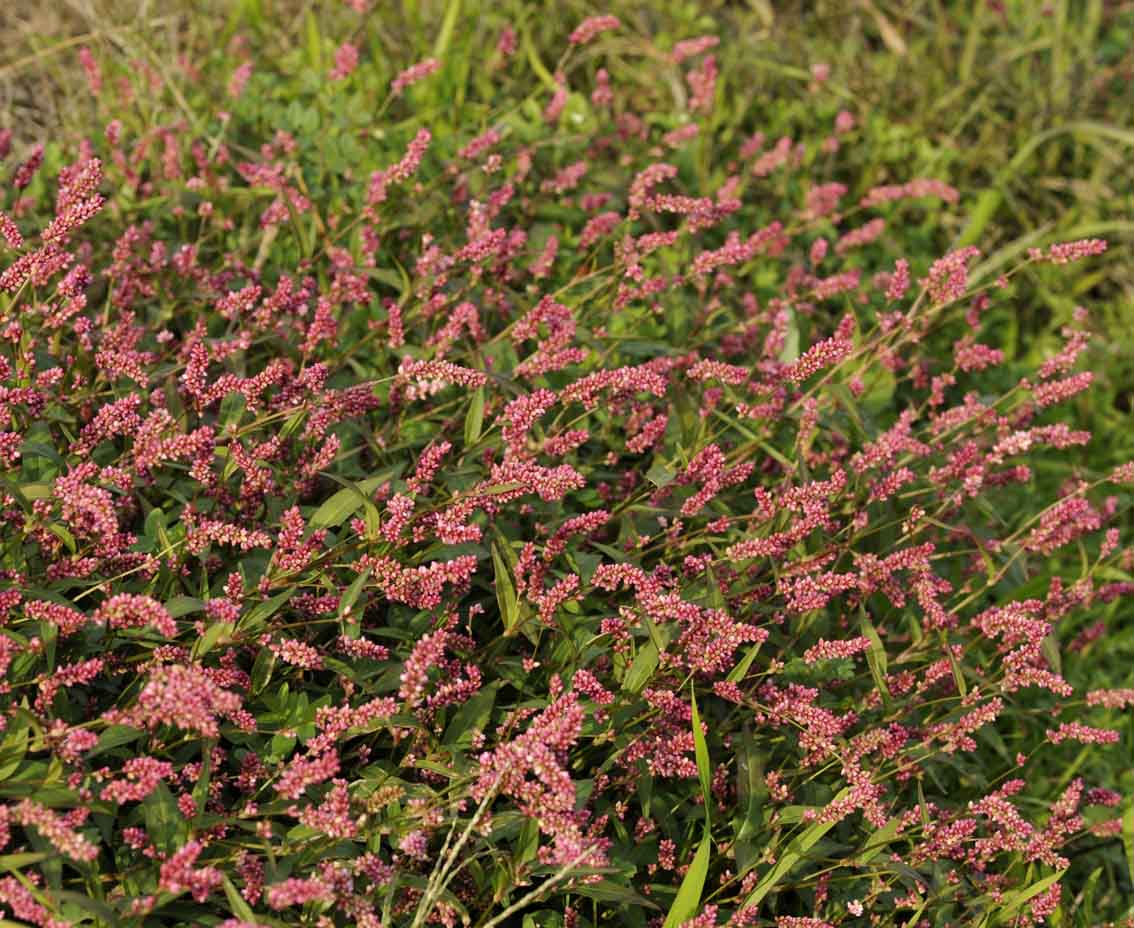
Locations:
(688, 898)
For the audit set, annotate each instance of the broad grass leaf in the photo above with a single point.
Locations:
(474, 418)
(751, 793)
(613, 553)
(876, 658)
(39, 449)
(536, 64)
(955, 667)
(737, 673)
(237, 904)
(205, 775)
(528, 845)
(790, 351)
(1128, 840)
(505, 591)
(646, 660)
(701, 752)
(980, 215)
(688, 899)
(448, 25)
(313, 41)
(1012, 902)
(15, 861)
(796, 850)
(232, 409)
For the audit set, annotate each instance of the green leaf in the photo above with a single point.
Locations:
(445, 36)
(585, 565)
(314, 41)
(958, 675)
(163, 818)
(184, 605)
(979, 216)
(15, 861)
(39, 449)
(346, 502)
(12, 751)
(473, 715)
(231, 410)
(737, 673)
(688, 899)
(237, 904)
(200, 791)
(795, 852)
(212, 637)
(538, 66)
(1128, 840)
(261, 612)
(701, 751)
(1050, 649)
(790, 351)
(114, 736)
(1014, 901)
(877, 841)
(609, 891)
(350, 597)
(876, 658)
(474, 419)
(295, 420)
(63, 535)
(645, 663)
(751, 793)
(88, 903)
(528, 844)
(505, 591)
(658, 474)
(262, 669)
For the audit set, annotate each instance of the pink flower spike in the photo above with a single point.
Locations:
(591, 27)
(346, 60)
(413, 74)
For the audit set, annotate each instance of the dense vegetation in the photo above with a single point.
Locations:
(668, 466)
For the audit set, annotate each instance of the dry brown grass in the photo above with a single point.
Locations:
(40, 83)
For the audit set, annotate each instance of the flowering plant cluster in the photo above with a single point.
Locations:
(582, 518)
